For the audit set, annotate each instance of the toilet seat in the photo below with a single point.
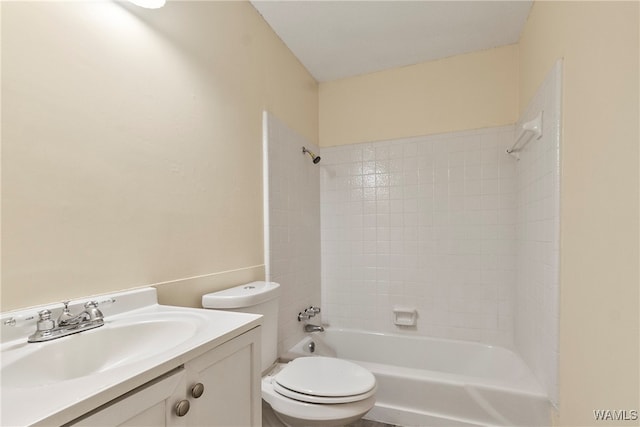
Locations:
(320, 399)
(324, 380)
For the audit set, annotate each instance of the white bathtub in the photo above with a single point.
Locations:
(436, 382)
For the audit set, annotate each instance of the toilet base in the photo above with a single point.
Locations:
(294, 413)
(296, 422)
(270, 419)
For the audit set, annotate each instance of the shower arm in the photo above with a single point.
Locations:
(316, 159)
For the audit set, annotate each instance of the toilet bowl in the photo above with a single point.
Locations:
(319, 391)
(308, 391)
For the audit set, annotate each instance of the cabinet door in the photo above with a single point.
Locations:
(149, 405)
(230, 375)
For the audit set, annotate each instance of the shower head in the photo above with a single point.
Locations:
(316, 159)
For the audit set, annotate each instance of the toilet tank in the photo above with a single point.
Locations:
(256, 298)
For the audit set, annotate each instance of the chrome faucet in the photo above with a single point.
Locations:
(313, 328)
(308, 313)
(46, 330)
(68, 319)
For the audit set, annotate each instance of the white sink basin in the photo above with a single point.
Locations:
(55, 382)
(97, 350)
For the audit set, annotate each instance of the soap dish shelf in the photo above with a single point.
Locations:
(403, 316)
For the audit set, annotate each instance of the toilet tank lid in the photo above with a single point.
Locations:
(240, 296)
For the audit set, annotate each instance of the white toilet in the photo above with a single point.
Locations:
(308, 391)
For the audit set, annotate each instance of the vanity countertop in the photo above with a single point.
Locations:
(150, 340)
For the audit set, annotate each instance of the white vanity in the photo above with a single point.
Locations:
(147, 365)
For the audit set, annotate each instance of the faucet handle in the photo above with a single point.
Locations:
(303, 315)
(66, 314)
(91, 307)
(44, 321)
(308, 313)
(44, 314)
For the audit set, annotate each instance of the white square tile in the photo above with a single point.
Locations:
(456, 183)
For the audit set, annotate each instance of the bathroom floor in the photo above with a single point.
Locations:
(369, 423)
(269, 419)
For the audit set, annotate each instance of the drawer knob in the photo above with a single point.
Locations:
(182, 408)
(197, 390)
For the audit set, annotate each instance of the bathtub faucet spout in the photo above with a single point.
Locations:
(313, 328)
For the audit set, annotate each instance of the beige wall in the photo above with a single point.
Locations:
(132, 146)
(463, 92)
(599, 197)
(599, 329)
(109, 155)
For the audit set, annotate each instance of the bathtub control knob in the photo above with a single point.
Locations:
(303, 316)
(311, 346)
(197, 390)
(182, 408)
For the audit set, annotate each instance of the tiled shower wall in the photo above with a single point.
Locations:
(292, 225)
(423, 223)
(538, 171)
(447, 224)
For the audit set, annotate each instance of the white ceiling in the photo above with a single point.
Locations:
(337, 39)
